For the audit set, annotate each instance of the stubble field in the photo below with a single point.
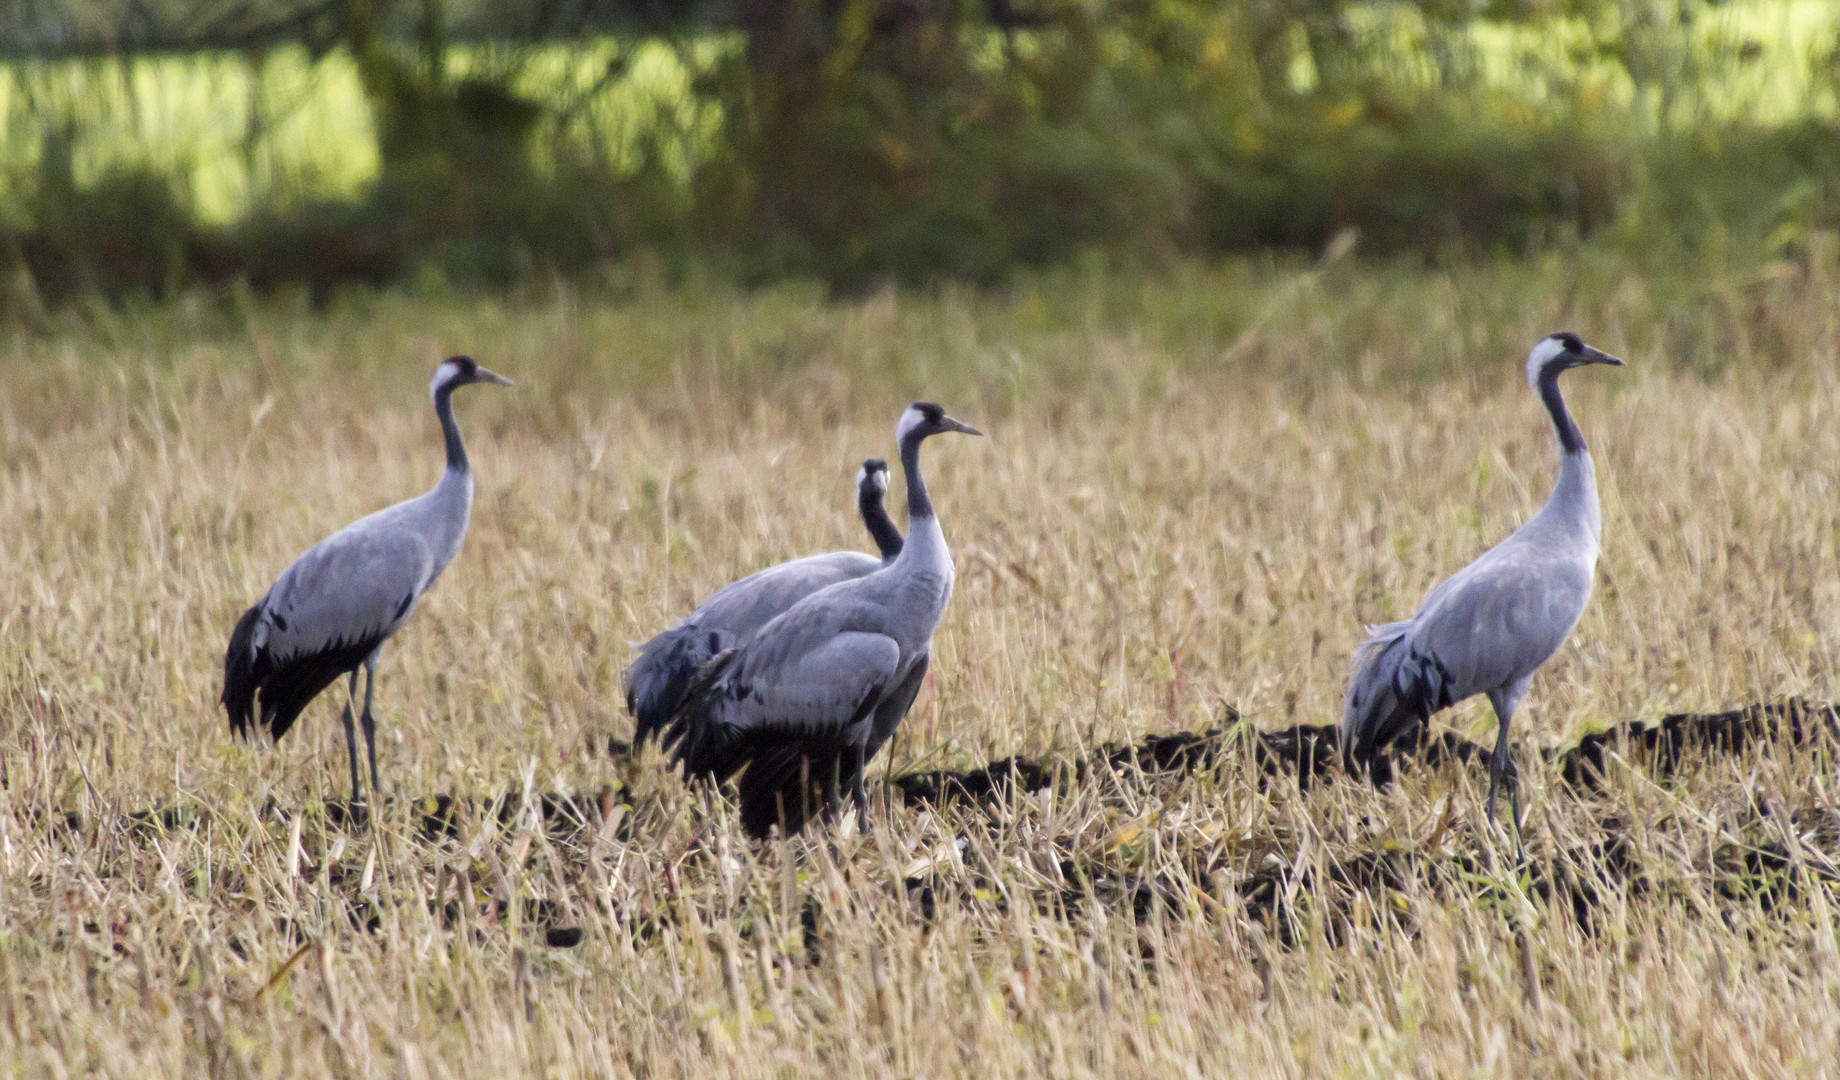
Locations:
(1194, 493)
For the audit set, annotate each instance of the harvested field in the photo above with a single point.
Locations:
(1114, 836)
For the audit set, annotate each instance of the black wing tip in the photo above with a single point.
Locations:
(1397, 688)
(1380, 725)
(240, 676)
(661, 681)
(782, 786)
(787, 785)
(1357, 753)
(287, 689)
(694, 737)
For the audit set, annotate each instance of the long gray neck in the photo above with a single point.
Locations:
(926, 542)
(1571, 440)
(1573, 501)
(450, 431)
(449, 506)
(881, 527)
(918, 505)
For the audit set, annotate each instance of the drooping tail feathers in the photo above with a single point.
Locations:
(240, 677)
(286, 688)
(658, 682)
(1395, 688)
(787, 785)
(693, 734)
(788, 776)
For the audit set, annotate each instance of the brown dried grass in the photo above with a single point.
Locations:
(1195, 491)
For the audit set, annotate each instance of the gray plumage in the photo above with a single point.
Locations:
(1489, 627)
(812, 696)
(331, 611)
(660, 675)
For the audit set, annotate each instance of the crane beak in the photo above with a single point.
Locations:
(1593, 356)
(484, 375)
(950, 424)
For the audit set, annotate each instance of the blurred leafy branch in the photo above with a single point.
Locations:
(862, 141)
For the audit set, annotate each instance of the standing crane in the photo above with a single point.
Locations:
(1487, 628)
(329, 613)
(657, 681)
(819, 689)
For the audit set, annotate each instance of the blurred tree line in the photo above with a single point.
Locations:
(865, 141)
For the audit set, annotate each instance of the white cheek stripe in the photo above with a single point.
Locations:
(442, 375)
(1546, 350)
(910, 420)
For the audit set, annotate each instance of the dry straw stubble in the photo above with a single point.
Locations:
(1189, 498)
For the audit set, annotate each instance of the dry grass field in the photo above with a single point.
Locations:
(1195, 491)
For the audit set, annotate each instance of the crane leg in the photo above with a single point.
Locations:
(832, 797)
(1514, 804)
(857, 791)
(1500, 768)
(351, 737)
(1497, 764)
(369, 721)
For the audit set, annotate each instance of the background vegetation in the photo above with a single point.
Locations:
(318, 142)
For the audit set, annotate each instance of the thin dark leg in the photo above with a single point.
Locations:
(833, 798)
(1498, 762)
(351, 737)
(1514, 804)
(1500, 767)
(805, 806)
(861, 794)
(369, 721)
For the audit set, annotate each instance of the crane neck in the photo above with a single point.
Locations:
(881, 527)
(918, 504)
(450, 430)
(924, 549)
(448, 506)
(1571, 440)
(1574, 496)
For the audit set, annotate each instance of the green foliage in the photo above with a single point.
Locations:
(1426, 181)
(125, 232)
(1704, 193)
(859, 142)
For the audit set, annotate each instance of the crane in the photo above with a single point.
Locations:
(329, 613)
(814, 694)
(1487, 628)
(659, 677)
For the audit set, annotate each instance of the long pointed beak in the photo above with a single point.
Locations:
(485, 375)
(959, 425)
(1593, 356)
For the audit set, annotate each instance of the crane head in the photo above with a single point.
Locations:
(873, 476)
(458, 371)
(1560, 351)
(923, 418)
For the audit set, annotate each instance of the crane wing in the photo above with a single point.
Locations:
(895, 704)
(357, 585)
(785, 707)
(1488, 625)
(326, 613)
(743, 608)
(1502, 621)
(660, 676)
(813, 698)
